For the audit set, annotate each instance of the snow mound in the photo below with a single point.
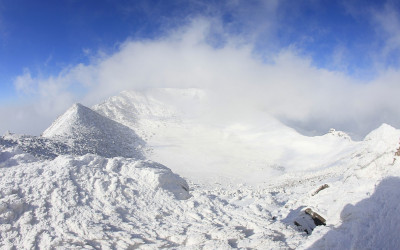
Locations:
(82, 202)
(86, 131)
(373, 223)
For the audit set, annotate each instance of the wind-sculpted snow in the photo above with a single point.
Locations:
(373, 223)
(87, 201)
(94, 202)
(86, 131)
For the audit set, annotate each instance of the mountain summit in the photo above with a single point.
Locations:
(89, 132)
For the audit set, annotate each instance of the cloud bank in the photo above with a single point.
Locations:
(284, 84)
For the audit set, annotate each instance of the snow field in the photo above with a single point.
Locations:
(249, 181)
(93, 202)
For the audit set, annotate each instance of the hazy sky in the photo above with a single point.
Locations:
(313, 64)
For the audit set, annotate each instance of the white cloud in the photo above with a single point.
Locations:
(388, 25)
(288, 86)
(24, 83)
(383, 20)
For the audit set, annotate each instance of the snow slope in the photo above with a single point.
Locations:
(86, 131)
(182, 133)
(94, 202)
(247, 181)
(362, 206)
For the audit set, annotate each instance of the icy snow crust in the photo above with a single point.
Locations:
(95, 202)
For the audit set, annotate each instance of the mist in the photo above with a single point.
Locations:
(285, 84)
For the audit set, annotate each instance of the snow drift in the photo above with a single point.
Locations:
(81, 202)
(373, 223)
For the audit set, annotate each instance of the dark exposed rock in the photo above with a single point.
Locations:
(318, 219)
(39, 147)
(320, 189)
(308, 220)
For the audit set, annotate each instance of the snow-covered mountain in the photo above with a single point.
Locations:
(182, 133)
(86, 131)
(242, 183)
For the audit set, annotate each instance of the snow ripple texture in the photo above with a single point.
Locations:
(82, 202)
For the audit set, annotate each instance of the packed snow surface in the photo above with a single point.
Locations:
(86, 201)
(54, 197)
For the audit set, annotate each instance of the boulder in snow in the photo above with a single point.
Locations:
(308, 220)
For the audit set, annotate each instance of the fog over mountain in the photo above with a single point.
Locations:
(141, 170)
(285, 84)
(199, 124)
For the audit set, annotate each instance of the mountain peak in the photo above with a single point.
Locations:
(77, 106)
(383, 132)
(81, 111)
(338, 133)
(81, 127)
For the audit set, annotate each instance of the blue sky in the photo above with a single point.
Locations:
(46, 36)
(42, 42)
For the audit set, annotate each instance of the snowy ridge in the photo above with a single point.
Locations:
(129, 107)
(147, 111)
(194, 144)
(89, 132)
(341, 134)
(264, 177)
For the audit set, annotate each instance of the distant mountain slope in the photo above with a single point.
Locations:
(130, 107)
(86, 131)
(185, 131)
